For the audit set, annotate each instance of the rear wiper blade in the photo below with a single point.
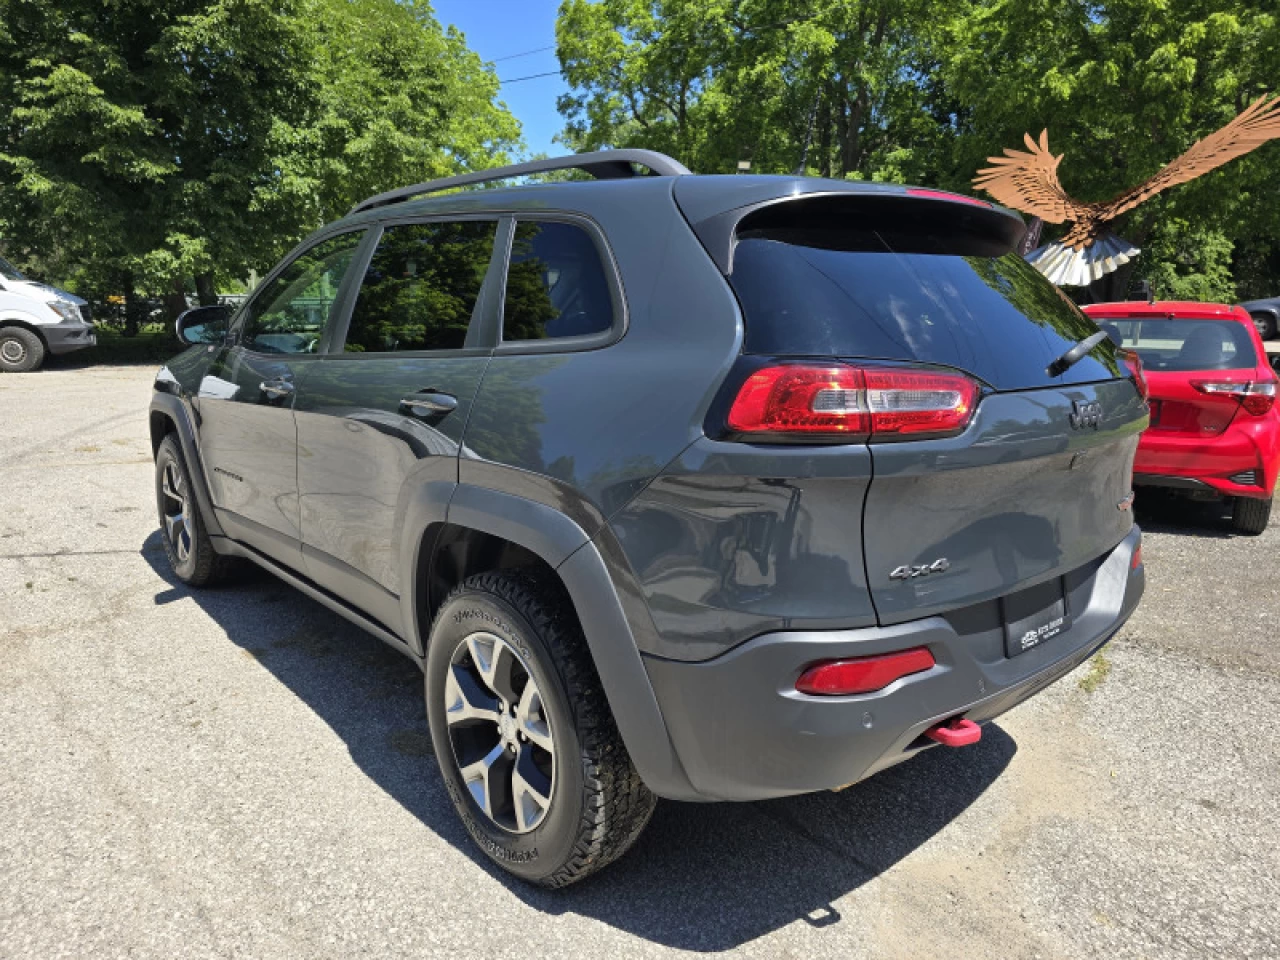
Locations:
(1075, 354)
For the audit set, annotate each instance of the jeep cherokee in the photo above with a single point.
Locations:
(699, 487)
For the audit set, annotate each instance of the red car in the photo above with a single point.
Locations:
(1215, 427)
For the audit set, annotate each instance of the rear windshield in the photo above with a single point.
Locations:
(910, 295)
(1175, 344)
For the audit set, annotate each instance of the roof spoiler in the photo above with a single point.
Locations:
(800, 202)
(603, 165)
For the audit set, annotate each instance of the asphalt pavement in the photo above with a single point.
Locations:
(238, 773)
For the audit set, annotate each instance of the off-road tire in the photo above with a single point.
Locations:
(1250, 516)
(201, 566)
(21, 351)
(599, 805)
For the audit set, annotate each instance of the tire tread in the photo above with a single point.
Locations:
(617, 805)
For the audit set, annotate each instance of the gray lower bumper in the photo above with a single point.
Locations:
(65, 337)
(743, 732)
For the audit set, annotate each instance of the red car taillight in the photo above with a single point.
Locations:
(852, 401)
(833, 678)
(1257, 397)
(1134, 363)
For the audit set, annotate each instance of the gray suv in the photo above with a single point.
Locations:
(699, 487)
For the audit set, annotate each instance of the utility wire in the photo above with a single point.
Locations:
(527, 53)
(532, 76)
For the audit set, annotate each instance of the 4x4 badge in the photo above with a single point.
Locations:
(908, 571)
(1085, 414)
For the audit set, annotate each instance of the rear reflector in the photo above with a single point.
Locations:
(1256, 396)
(1136, 561)
(853, 401)
(862, 674)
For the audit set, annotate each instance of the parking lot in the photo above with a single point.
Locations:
(238, 772)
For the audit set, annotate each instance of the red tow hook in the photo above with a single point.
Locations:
(957, 733)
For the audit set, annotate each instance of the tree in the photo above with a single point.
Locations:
(912, 91)
(156, 145)
(1124, 87)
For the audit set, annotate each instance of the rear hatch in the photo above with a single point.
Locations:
(1195, 368)
(1037, 483)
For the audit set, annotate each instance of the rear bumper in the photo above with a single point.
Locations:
(743, 732)
(1209, 464)
(68, 335)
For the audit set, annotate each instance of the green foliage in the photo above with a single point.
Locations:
(145, 144)
(921, 92)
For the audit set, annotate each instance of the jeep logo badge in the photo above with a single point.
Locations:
(1085, 414)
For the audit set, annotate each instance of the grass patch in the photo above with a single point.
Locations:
(1099, 670)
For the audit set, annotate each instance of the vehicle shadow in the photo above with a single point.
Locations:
(1159, 512)
(703, 877)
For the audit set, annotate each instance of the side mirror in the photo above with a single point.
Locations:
(203, 325)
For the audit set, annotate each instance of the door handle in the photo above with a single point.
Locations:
(429, 403)
(277, 388)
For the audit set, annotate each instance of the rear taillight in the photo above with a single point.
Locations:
(848, 401)
(1139, 376)
(832, 678)
(1256, 396)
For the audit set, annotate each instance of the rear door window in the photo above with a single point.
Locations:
(556, 284)
(421, 287)
(1175, 344)
(910, 295)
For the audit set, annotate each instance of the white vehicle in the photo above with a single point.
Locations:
(37, 320)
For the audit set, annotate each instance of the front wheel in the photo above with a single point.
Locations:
(526, 744)
(186, 543)
(1250, 516)
(21, 351)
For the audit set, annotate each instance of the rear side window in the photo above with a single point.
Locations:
(556, 284)
(421, 287)
(910, 295)
(1176, 344)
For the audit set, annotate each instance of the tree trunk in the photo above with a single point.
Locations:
(175, 301)
(205, 289)
(824, 134)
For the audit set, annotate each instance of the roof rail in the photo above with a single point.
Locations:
(603, 165)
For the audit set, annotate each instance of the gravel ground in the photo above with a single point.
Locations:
(236, 772)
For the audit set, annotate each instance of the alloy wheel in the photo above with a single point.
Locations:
(177, 524)
(500, 733)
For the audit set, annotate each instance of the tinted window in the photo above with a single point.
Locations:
(910, 297)
(421, 287)
(1174, 344)
(291, 313)
(556, 284)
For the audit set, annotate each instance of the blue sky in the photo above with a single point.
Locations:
(502, 28)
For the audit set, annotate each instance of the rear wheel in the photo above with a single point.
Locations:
(186, 543)
(21, 351)
(1266, 324)
(1250, 516)
(523, 735)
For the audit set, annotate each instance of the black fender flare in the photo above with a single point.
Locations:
(173, 409)
(566, 548)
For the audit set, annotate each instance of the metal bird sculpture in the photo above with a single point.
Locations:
(1028, 181)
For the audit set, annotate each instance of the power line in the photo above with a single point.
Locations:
(527, 53)
(532, 76)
